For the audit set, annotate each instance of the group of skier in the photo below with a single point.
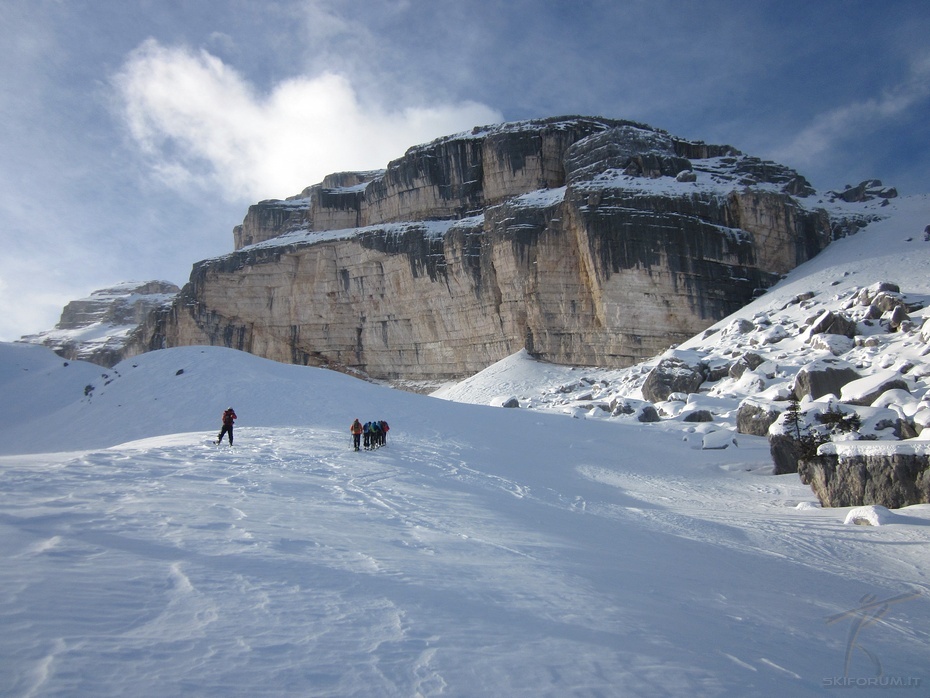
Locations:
(371, 434)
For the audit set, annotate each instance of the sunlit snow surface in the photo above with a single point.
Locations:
(481, 552)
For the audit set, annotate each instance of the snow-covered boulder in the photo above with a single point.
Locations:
(925, 331)
(505, 401)
(774, 334)
(922, 420)
(718, 440)
(754, 417)
(873, 515)
(672, 375)
(747, 362)
(808, 506)
(836, 344)
(824, 377)
(697, 416)
(868, 295)
(739, 326)
(864, 391)
(830, 322)
(786, 453)
(641, 410)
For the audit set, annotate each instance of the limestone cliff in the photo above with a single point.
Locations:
(96, 328)
(587, 241)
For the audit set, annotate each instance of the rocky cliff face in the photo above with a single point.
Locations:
(96, 328)
(586, 241)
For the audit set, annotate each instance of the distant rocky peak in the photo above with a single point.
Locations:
(126, 303)
(96, 328)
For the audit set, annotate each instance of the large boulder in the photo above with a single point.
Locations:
(749, 361)
(830, 322)
(823, 377)
(786, 453)
(643, 411)
(865, 391)
(672, 375)
(892, 480)
(698, 416)
(755, 418)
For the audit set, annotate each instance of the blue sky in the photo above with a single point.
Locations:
(135, 133)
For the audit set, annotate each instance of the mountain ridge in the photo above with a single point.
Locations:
(586, 241)
(555, 270)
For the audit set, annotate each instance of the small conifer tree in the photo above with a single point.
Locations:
(793, 418)
(808, 440)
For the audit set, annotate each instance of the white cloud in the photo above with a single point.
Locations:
(200, 123)
(839, 124)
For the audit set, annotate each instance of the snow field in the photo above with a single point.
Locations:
(482, 552)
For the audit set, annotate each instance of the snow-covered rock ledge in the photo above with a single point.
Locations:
(887, 449)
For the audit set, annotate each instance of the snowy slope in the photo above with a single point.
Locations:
(165, 392)
(482, 552)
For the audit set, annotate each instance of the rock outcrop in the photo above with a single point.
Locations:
(823, 377)
(892, 480)
(574, 238)
(755, 418)
(672, 375)
(97, 328)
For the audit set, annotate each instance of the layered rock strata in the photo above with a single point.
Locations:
(97, 328)
(585, 241)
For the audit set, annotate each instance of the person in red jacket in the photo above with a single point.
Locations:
(229, 416)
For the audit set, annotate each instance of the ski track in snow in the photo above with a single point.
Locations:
(416, 569)
(714, 515)
(145, 513)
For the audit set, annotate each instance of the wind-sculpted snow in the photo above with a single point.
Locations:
(482, 551)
